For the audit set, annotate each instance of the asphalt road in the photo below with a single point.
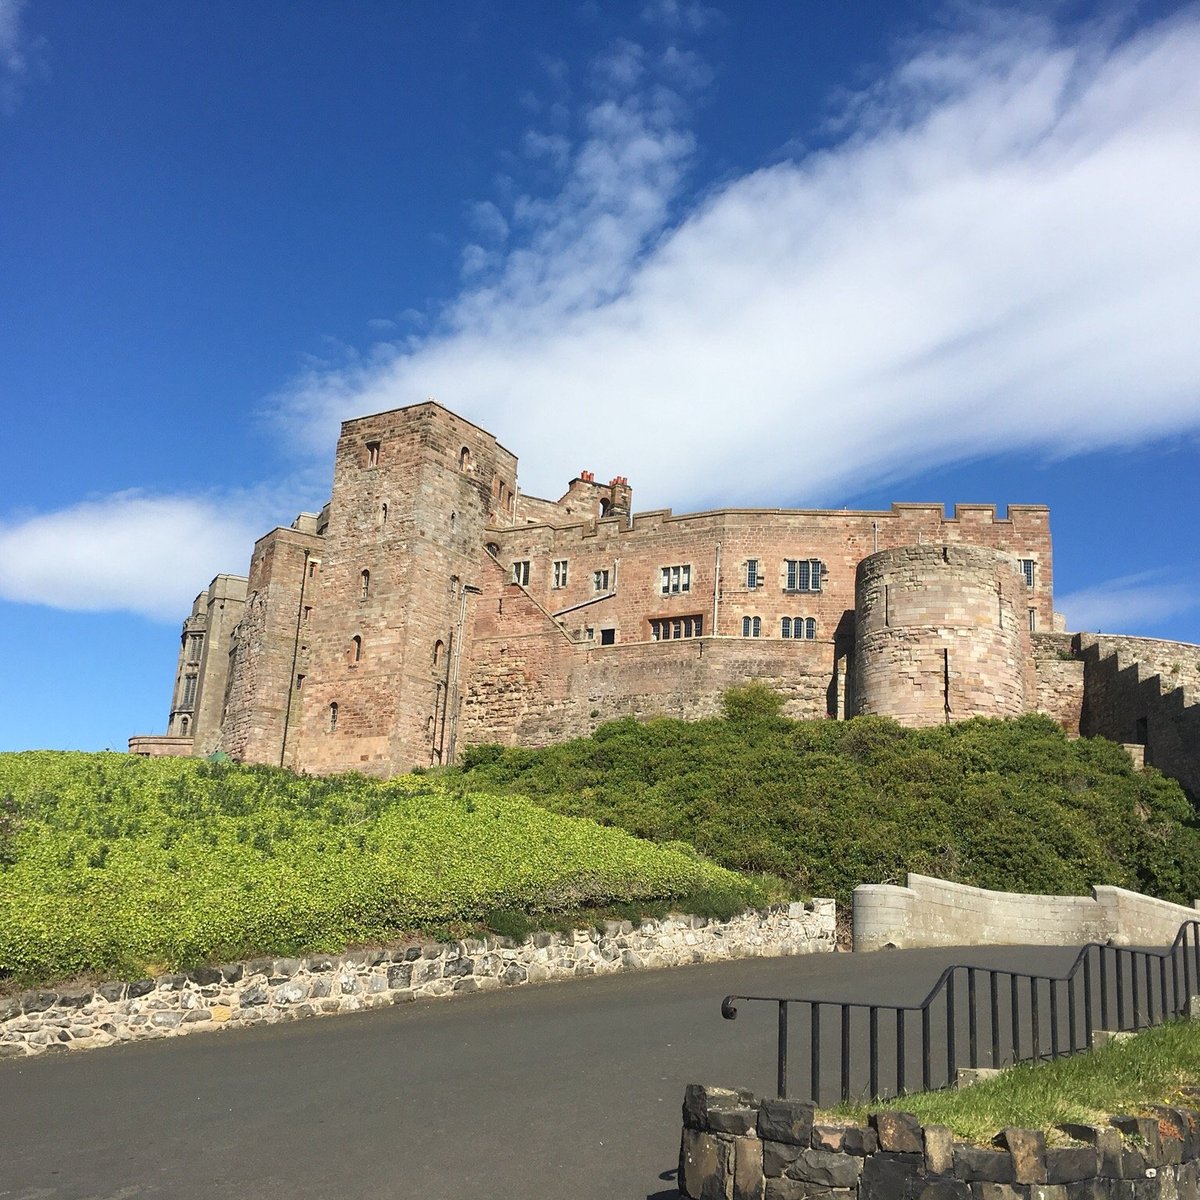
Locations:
(563, 1090)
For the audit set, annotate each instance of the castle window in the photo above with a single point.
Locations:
(453, 521)
(333, 716)
(752, 627)
(183, 726)
(383, 513)
(356, 649)
(664, 629)
(464, 459)
(1033, 620)
(195, 643)
(299, 682)
(520, 572)
(364, 585)
(438, 649)
(676, 579)
(189, 691)
(560, 572)
(312, 568)
(372, 454)
(798, 627)
(600, 581)
(803, 574)
(753, 578)
(608, 637)
(307, 613)
(1027, 569)
(605, 505)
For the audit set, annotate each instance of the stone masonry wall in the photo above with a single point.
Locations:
(270, 648)
(1142, 690)
(738, 1147)
(935, 912)
(266, 990)
(1059, 675)
(941, 634)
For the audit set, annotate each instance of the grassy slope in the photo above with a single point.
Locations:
(113, 864)
(1122, 1077)
(827, 805)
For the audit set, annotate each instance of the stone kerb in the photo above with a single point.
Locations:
(266, 990)
(935, 912)
(738, 1147)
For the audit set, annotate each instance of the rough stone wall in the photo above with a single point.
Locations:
(269, 638)
(226, 600)
(267, 990)
(738, 1147)
(1059, 673)
(1130, 696)
(936, 912)
(942, 634)
(441, 480)
(182, 719)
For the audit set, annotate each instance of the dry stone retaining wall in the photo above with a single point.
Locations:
(265, 990)
(737, 1147)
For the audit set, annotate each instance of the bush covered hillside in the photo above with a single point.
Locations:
(826, 805)
(116, 865)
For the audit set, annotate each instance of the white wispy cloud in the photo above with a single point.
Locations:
(1128, 604)
(128, 551)
(19, 55)
(999, 251)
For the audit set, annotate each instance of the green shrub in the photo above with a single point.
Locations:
(827, 805)
(122, 864)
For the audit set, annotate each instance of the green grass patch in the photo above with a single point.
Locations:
(827, 805)
(1120, 1078)
(115, 865)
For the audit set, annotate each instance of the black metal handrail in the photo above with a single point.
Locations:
(1117, 981)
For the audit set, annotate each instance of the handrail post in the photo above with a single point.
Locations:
(781, 1055)
(972, 1018)
(951, 1040)
(994, 987)
(845, 1052)
(815, 1050)
(873, 1051)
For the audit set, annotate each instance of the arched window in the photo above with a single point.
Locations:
(453, 521)
(333, 714)
(493, 549)
(439, 648)
(605, 505)
(364, 584)
(183, 726)
(355, 649)
(810, 628)
(752, 627)
(785, 627)
(464, 459)
(383, 513)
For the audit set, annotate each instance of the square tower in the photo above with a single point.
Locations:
(414, 490)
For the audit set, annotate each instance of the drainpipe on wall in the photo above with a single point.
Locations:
(287, 712)
(453, 699)
(716, 590)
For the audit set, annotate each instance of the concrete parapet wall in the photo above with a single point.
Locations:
(935, 912)
(266, 990)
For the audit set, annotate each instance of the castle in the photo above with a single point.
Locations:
(431, 604)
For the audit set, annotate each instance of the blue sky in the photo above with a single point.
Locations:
(782, 253)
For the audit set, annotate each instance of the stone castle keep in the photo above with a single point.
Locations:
(430, 604)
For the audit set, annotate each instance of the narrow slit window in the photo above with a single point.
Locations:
(333, 716)
(372, 454)
(364, 584)
(356, 649)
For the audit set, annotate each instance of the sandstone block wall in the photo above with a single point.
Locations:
(942, 633)
(1145, 691)
(266, 990)
(1059, 673)
(736, 1146)
(269, 648)
(936, 912)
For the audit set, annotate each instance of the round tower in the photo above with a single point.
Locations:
(941, 634)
